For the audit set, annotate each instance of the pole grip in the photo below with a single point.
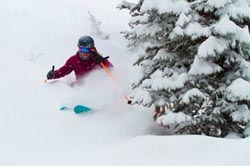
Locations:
(53, 68)
(106, 57)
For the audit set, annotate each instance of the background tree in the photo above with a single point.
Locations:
(96, 28)
(195, 68)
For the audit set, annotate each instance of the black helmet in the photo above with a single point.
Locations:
(86, 42)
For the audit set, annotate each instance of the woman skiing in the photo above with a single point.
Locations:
(83, 62)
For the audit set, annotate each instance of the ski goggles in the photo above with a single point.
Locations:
(84, 50)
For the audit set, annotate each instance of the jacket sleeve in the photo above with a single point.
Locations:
(64, 70)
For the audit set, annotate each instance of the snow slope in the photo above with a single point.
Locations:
(41, 33)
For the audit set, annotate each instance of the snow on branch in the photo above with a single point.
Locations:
(140, 19)
(173, 118)
(218, 3)
(239, 90)
(245, 69)
(183, 19)
(172, 83)
(195, 30)
(242, 115)
(125, 5)
(190, 94)
(211, 47)
(225, 26)
(246, 132)
(166, 6)
(200, 66)
(142, 97)
(239, 11)
(162, 54)
(243, 35)
(147, 29)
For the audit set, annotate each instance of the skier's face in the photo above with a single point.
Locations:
(84, 53)
(84, 56)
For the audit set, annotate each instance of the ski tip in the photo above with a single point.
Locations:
(64, 108)
(81, 109)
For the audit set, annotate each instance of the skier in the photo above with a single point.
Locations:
(83, 62)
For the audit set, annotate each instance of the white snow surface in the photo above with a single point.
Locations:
(34, 132)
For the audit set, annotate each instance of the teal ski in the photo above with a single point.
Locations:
(77, 109)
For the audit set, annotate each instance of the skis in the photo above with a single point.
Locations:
(77, 109)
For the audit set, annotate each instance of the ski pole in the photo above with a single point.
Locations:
(104, 67)
(53, 68)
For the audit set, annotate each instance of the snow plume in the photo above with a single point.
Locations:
(239, 90)
(212, 47)
(201, 66)
(98, 93)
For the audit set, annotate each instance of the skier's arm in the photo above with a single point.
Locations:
(64, 70)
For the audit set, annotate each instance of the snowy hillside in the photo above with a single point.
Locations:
(33, 131)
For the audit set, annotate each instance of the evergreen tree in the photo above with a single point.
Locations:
(96, 28)
(195, 69)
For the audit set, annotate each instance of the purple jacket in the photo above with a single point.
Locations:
(79, 66)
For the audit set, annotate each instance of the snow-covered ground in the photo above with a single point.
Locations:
(34, 35)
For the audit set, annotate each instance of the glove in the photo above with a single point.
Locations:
(50, 74)
(99, 59)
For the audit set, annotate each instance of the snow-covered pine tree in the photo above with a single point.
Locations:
(196, 60)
